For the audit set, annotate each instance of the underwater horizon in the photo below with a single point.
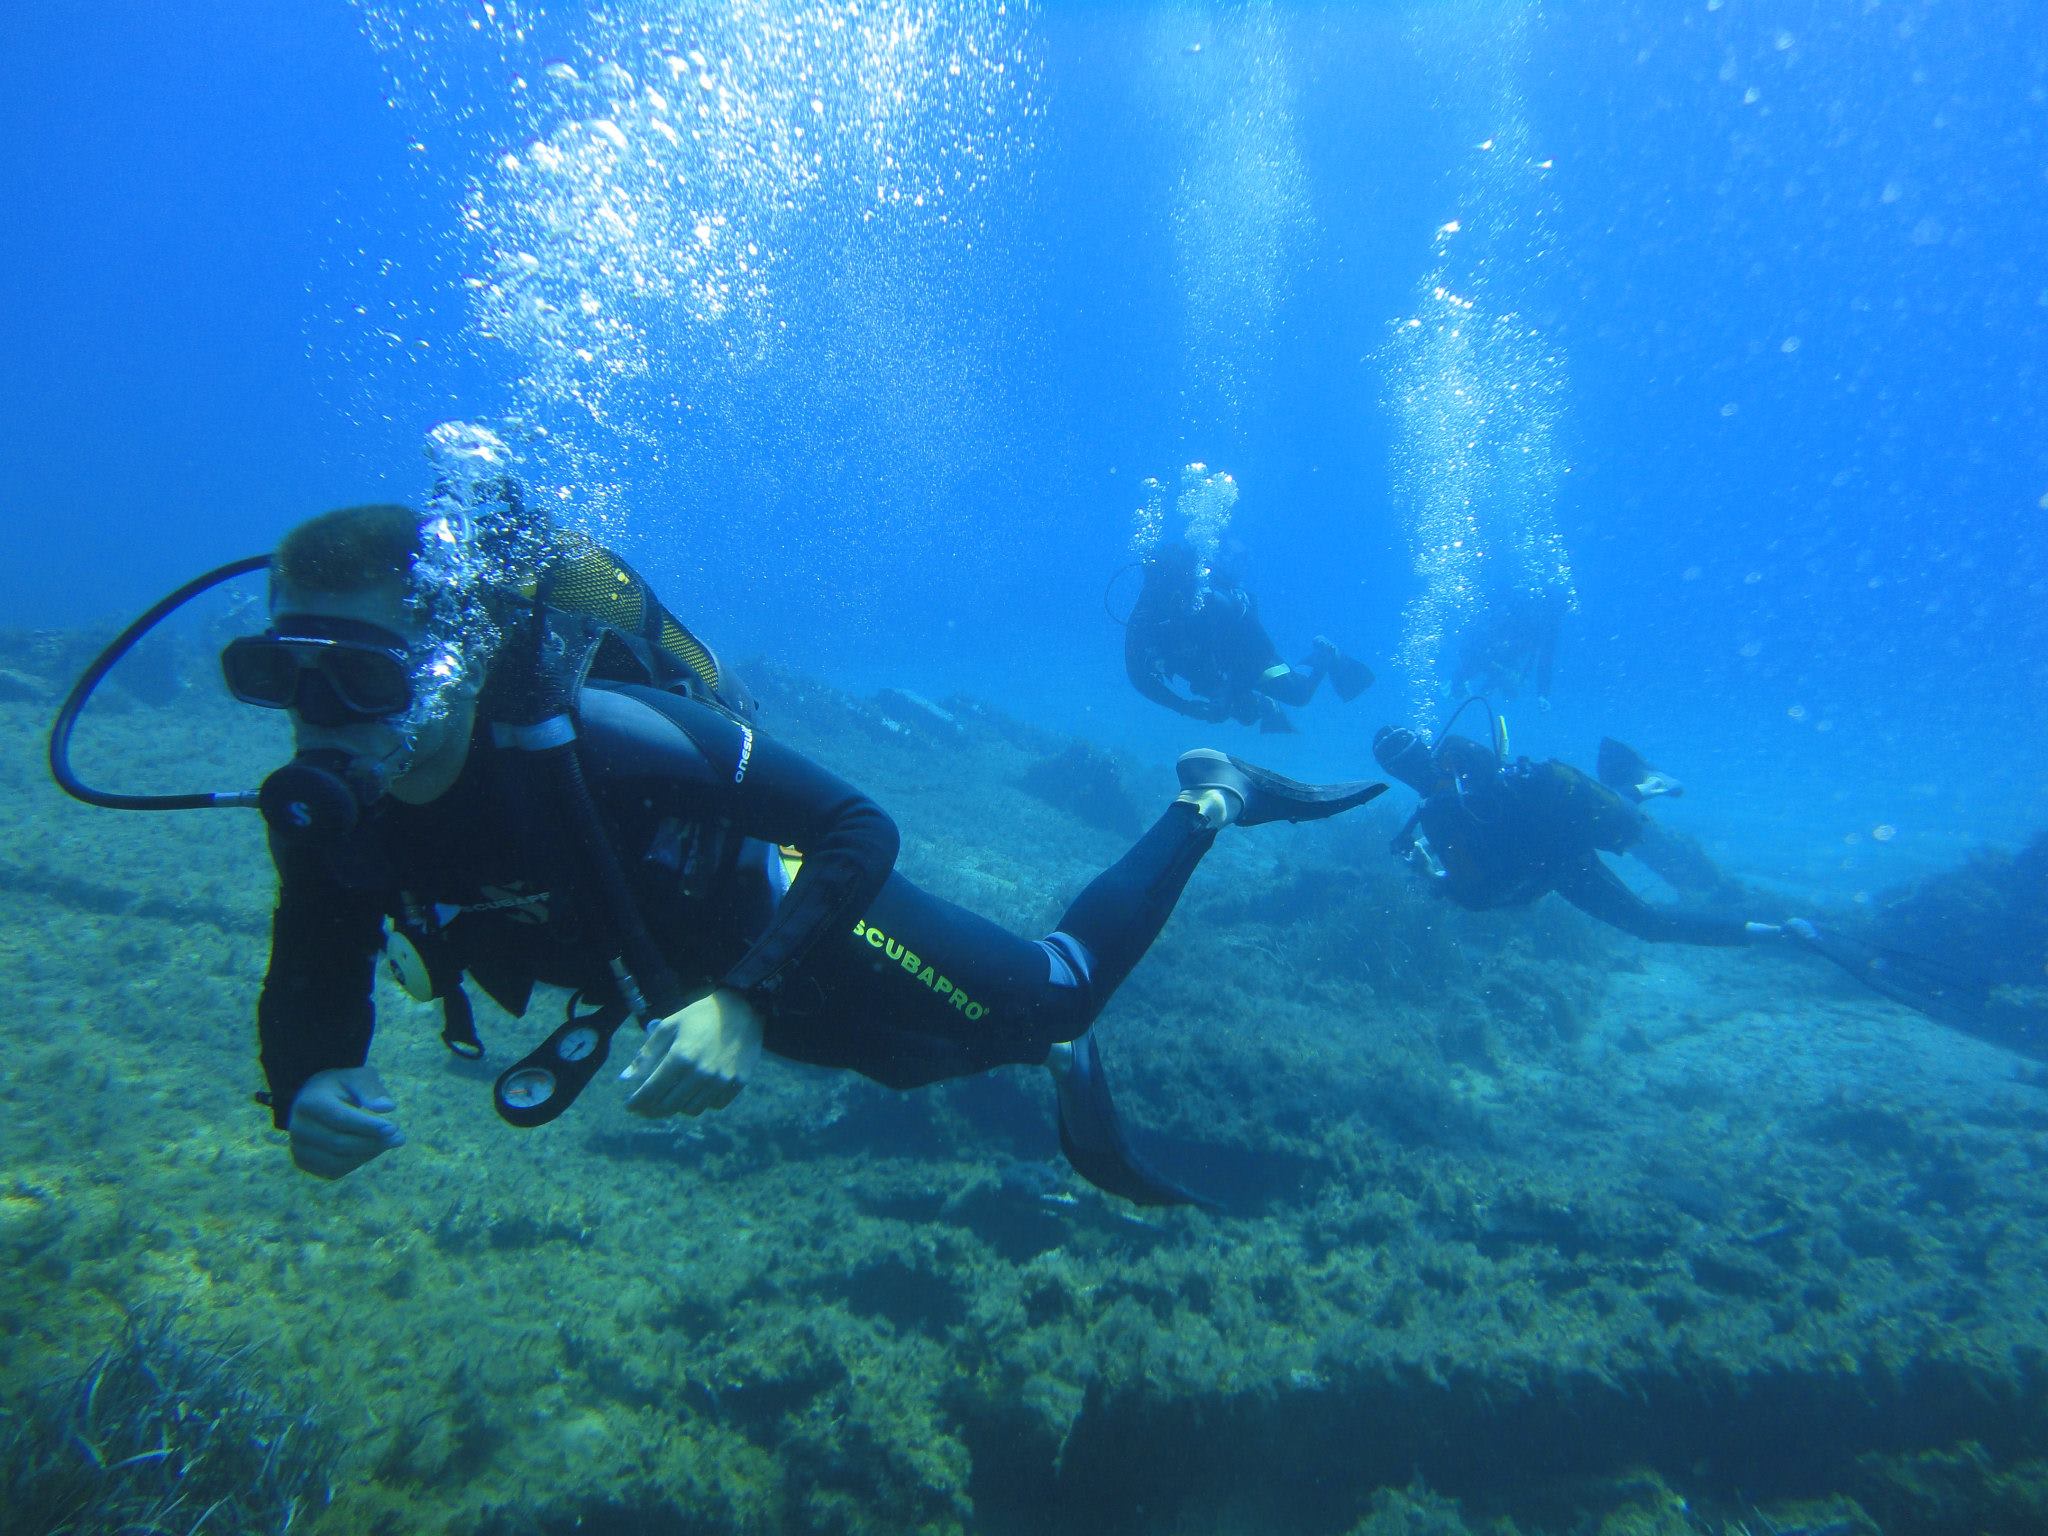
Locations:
(889, 341)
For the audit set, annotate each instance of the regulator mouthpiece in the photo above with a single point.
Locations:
(315, 797)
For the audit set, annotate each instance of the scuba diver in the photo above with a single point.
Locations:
(584, 801)
(1512, 647)
(1494, 833)
(1205, 633)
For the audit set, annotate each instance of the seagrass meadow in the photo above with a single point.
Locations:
(1530, 1229)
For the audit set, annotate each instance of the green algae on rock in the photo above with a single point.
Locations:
(1521, 1209)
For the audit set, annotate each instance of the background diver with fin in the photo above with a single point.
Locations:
(1203, 633)
(591, 806)
(1490, 832)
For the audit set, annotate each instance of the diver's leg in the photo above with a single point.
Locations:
(1247, 707)
(1021, 995)
(918, 966)
(1294, 685)
(1100, 939)
(921, 990)
(1598, 892)
(1115, 920)
(1680, 860)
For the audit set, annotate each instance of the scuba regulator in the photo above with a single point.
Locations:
(319, 795)
(89, 681)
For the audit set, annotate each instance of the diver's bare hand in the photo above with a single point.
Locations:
(697, 1058)
(338, 1122)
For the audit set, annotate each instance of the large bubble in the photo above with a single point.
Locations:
(481, 541)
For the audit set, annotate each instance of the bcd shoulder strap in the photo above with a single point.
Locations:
(625, 635)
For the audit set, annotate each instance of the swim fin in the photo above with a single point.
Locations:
(1349, 677)
(1093, 1138)
(1941, 991)
(1263, 795)
(1623, 769)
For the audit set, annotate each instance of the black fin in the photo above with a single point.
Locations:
(1941, 991)
(1624, 770)
(1264, 795)
(1093, 1138)
(1349, 677)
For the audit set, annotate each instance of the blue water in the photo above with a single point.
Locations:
(1771, 273)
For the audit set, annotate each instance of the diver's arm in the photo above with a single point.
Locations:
(1148, 674)
(1183, 704)
(1598, 892)
(849, 846)
(1155, 688)
(699, 1057)
(314, 1013)
(719, 770)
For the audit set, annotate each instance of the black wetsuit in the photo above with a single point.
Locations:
(1215, 645)
(1506, 838)
(850, 964)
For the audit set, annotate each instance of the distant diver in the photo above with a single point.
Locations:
(1510, 650)
(1496, 833)
(591, 806)
(1204, 634)
(1490, 832)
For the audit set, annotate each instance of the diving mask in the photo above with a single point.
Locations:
(330, 671)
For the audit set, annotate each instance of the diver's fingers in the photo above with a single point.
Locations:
(663, 1088)
(711, 1091)
(651, 1052)
(330, 1151)
(328, 1118)
(649, 1098)
(364, 1086)
(350, 1103)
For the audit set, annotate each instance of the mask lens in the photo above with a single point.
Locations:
(352, 680)
(370, 682)
(260, 671)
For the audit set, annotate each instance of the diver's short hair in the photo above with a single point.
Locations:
(351, 549)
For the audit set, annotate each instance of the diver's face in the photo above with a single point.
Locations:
(413, 763)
